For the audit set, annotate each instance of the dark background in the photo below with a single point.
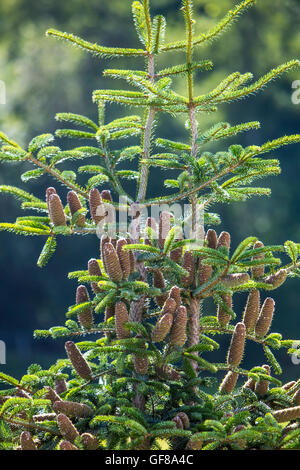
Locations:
(44, 76)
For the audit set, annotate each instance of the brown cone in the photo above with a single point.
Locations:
(224, 317)
(112, 263)
(169, 306)
(250, 383)
(159, 282)
(185, 419)
(237, 345)
(74, 206)
(123, 258)
(121, 317)
(211, 239)
(265, 317)
(67, 428)
(179, 423)
(277, 279)
(106, 195)
(85, 318)
(258, 271)
(52, 395)
(224, 240)
(287, 414)
(94, 270)
(56, 211)
(235, 280)
(229, 382)
(178, 331)
(27, 441)
(44, 417)
(162, 327)
(66, 445)
(175, 294)
(89, 441)
(164, 227)
(72, 409)
(167, 372)
(97, 209)
(78, 361)
(296, 397)
(49, 192)
(204, 272)
(262, 386)
(60, 386)
(251, 311)
(188, 263)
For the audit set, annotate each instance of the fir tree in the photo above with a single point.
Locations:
(142, 384)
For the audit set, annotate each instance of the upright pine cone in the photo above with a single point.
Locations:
(296, 397)
(250, 383)
(178, 422)
(176, 254)
(104, 239)
(229, 382)
(258, 271)
(204, 272)
(262, 386)
(288, 385)
(121, 317)
(222, 315)
(26, 441)
(60, 386)
(237, 345)
(235, 280)
(49, 192)
(164, 227)
(251, 311)
(167, 372)
(175, 294)
(188, 263)
(44, 417)
(211, 239)
(89, 441)
(56, 211)
(67, 445)
(265, 317)
(97, 209)
(178, 331)
(78, 361)
(123, 258)
(287, 414)
(140, 362)
(74, 206)
(277, 279)
(185, 419)
(162, 327)
(159, 282)
(224, 240)
(169, 306)
(67, 428)
(94, 270)
(106, 195)
(111, 263)
(85, 318)
(72, 409)
(52, 395)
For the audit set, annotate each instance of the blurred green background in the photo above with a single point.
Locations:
(44, 76)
